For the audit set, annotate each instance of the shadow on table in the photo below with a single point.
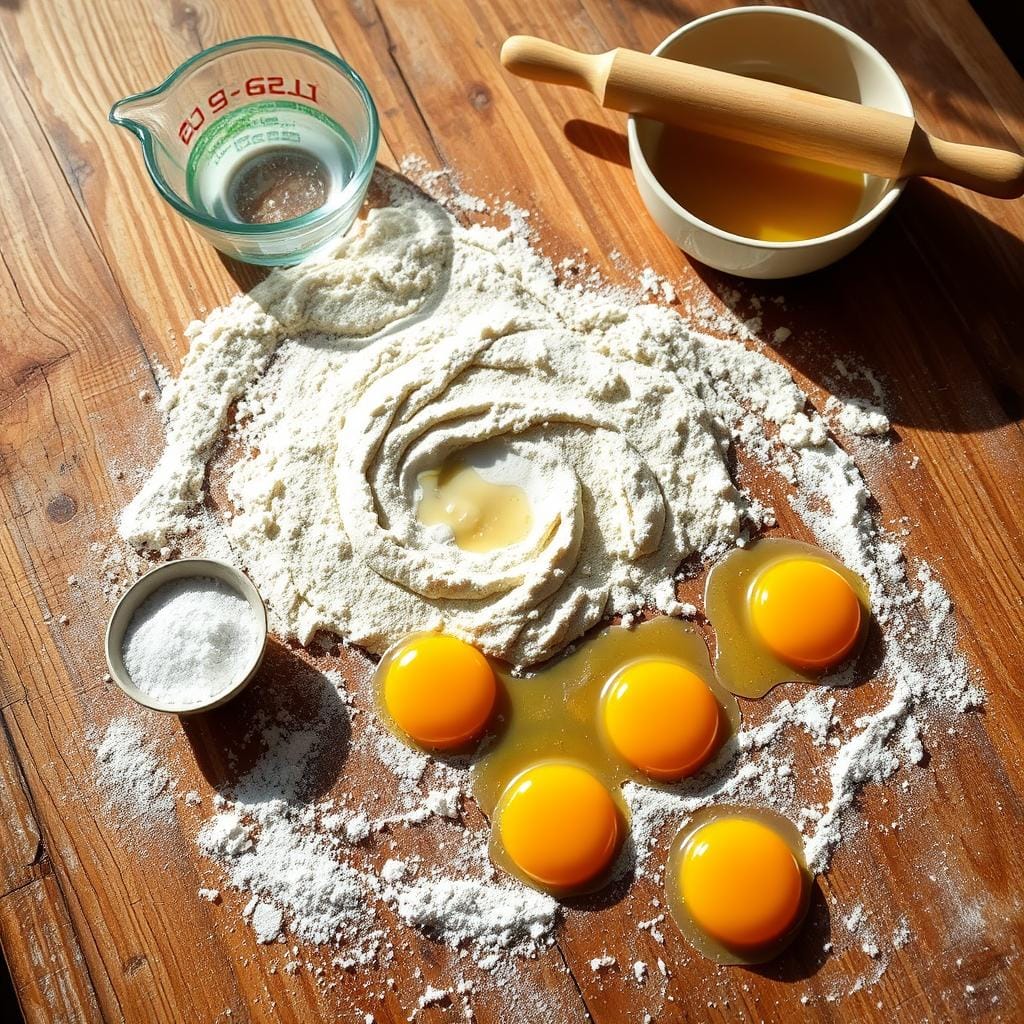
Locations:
(245, 275)
(806, 956)
(598, 140)
(285, 737)
(623, 875)
(932, 299)
(8, 995)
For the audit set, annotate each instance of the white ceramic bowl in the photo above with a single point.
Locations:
(183, 568)
(770, 41)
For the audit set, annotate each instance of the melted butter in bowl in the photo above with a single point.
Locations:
(753, 192)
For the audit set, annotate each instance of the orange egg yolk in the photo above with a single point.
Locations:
(661, 718)
(805, 612)
(440, 691)
(559, 825)
(741, 883)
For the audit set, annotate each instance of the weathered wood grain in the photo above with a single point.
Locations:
(47, 970)
(21, 841)
(98, 278)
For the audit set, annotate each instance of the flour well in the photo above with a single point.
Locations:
(420, 339)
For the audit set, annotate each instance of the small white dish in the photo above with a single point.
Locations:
(154, 579)
(794, 45)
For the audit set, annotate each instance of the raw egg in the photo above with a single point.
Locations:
(438, 691)
(783, 610)
(639, 704)
(737, 884)
(661, 718)
(558, 825)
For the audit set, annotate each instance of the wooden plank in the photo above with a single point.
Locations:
(98, 274)
(70, 411)
(19, 831)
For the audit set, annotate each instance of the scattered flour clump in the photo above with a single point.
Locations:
(493, 916)
(131, 772)
(266, 922)
(860, 417)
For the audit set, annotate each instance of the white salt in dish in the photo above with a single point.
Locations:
(197, 616)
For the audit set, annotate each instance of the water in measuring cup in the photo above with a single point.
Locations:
(270, 162)
(277, 185)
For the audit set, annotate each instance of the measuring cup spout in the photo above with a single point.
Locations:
(139, 114)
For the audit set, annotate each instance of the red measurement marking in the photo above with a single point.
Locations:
(258, 85)
(297, 91)
(188, 128)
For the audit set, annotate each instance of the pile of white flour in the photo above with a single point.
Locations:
(350, 376)
(422, 337)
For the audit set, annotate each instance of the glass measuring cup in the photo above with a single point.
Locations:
(256, 129)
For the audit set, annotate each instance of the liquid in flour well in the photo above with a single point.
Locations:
(483, 516)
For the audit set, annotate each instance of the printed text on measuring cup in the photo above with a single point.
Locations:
(258, 85)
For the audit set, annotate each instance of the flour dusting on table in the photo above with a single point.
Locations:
(132, 774)
(350, 375)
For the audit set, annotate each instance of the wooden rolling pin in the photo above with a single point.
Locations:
(775, 117)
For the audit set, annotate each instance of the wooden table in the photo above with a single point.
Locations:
(99, 277)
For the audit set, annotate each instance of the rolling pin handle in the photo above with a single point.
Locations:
(544, 61)
(992, 172)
